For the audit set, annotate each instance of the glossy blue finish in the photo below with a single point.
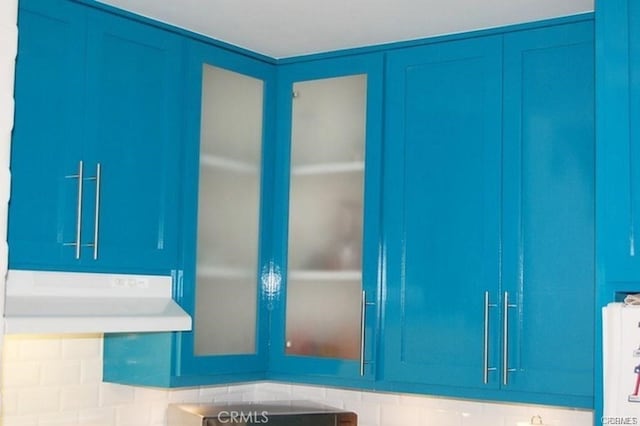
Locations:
(47, 136)
(306, 366)
(168, 359)
(548, 211)
(114, 101)
(618, 104)
(487, 179)
(617, 151)
(442, 211)
(492, 192)
(134, 75)
(199, 54)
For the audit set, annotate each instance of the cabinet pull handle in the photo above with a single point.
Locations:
(80, 177)
(363, 320)
(485, 353)
(505, 340)
(96, 217)
(96, 223)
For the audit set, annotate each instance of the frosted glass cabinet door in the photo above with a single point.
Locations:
(228, 213)
(324, 281)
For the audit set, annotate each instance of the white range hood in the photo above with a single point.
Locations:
(70, 302)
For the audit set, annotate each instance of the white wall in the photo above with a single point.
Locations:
(56, 380)
(8, 49)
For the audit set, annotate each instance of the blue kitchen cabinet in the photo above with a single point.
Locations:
(548, 213)
(618, 100)
(225, 268)
(618, 154)
(48, 131)
(134, 76)
(326, 220)
(489, 217)
(97, 134)
(442, 213)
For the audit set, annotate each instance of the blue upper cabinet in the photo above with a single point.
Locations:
(95, 176)
(326, 220)
(618, 154)
(548, 213)
(618, 100)
(442, 213)
(225, 264)
(46, 146)
(134, 80)
(227, 193)
(489, 217)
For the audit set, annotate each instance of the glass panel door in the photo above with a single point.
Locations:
(324, 281)
(228, 213)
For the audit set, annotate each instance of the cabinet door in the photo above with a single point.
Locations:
(548, 215)
(228, 165)
(224, 273)
(325, 323)
(133, 118)
(441, 213)
(46, 148)
(619, 142)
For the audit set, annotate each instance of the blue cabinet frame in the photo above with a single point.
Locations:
(97, 131)
(617, 145)
(398, 356)
(525, 234)
(308, 368)
(441, 212)
(169, 359)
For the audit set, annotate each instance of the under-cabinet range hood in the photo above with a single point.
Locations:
(71, 302)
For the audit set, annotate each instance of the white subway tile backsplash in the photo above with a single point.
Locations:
(149, 394)
(133, 415)
(39, 400)
(114, 395)
(79, 397)
(97, 416)
(39, 348)
(345, 396)
(30, 420)
(61, 373)
(185, 395)
(66, 386)
(59, 419)
(391, 415)
(91, 370)
(316, 393)
(21, 374)
(82, 346)
(210, 393)
(10, 402)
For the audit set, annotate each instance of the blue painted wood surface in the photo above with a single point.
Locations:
(442, 210)
(99, 89)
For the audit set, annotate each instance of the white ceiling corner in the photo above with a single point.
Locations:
(285, 28)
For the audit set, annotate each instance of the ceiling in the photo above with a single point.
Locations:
(284, 28)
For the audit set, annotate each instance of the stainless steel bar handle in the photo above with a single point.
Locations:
(363, 322)
(505, 340)
(485, 352)
(96, 216)
(363, 318)
(96, 223)
(80, 176)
